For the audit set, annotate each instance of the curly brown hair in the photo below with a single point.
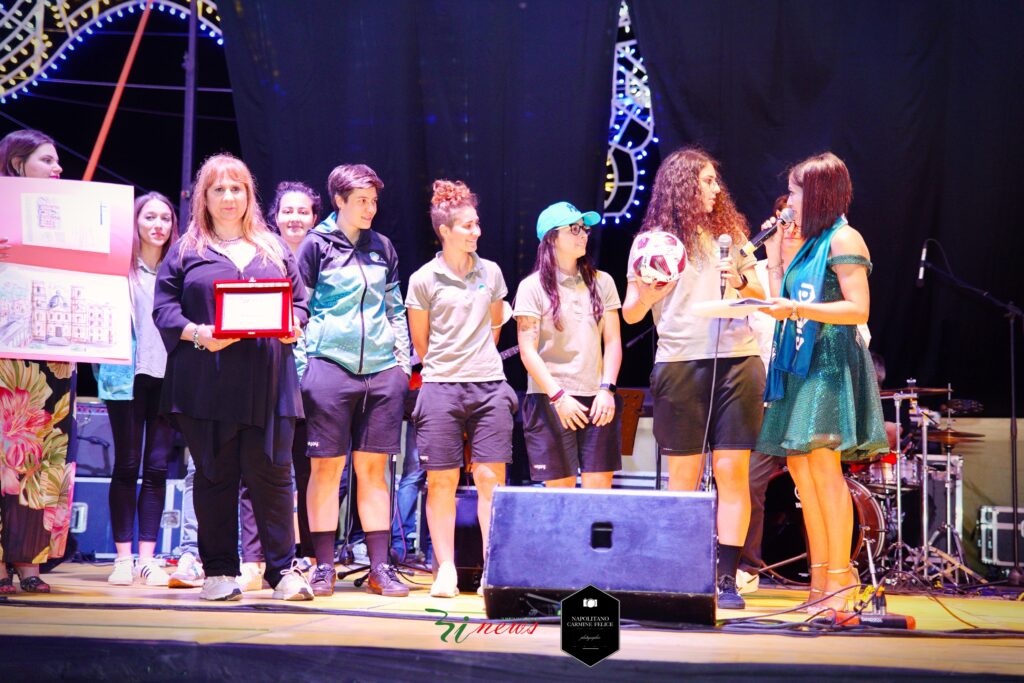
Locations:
(449, 197)
(676, 205)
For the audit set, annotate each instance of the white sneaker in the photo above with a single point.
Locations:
(293, 585)
(359, 553)
(251, 578)
(746, 583)
(221, 588)
(189, 573)
(152, 574)
(123, 573)
(446, 583)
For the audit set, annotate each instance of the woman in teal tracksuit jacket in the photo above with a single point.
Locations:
(357, 371)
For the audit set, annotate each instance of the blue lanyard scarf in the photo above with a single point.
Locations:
(793, 344)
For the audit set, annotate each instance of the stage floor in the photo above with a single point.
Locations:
(398, 639)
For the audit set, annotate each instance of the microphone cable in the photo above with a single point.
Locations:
(706, 480)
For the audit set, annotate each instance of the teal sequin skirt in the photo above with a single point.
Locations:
(836, 406)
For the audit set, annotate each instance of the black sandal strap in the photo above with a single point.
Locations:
(34, 584)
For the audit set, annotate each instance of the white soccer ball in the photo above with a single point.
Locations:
(659, 258)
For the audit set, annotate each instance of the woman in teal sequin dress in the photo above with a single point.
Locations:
(825, 407)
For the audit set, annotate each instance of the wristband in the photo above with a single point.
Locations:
(743, 282)
(793, 315)
(557, 395)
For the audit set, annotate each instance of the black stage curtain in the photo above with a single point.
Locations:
(511, 97)
(924, 101)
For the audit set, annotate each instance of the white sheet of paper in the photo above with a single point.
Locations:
(251, 310)
(728, 308)
(65, 221)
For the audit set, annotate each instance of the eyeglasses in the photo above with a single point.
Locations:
(577, 229)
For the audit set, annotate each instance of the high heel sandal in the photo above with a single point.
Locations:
(7, 586)
(814, 594)
(848, 594)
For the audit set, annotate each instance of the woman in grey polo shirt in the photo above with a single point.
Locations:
(565, 309)
(708, 377)
(455, 305)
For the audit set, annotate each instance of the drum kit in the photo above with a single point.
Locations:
(878, 488)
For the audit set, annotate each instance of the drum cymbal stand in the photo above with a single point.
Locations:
(898, 573)
(950, 564)
(921, 564)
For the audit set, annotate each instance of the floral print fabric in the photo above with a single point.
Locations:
(36, 481)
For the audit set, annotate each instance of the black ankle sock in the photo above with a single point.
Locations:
(728, 559)
(323, 546)
(377, 543)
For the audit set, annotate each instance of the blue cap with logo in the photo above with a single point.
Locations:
(560, 214)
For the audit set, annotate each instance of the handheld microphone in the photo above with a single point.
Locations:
(786, 217)
(924, 259)
(724, 246)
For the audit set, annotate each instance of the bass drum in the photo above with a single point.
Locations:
(785, 540)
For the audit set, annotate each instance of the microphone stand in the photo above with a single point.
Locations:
(654, 351)
(1013, 313)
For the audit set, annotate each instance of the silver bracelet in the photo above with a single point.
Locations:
(195, 340)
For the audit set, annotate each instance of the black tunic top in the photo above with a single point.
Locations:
(251, 383)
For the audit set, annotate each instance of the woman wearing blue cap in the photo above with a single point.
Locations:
(456, 308)
(566, 311)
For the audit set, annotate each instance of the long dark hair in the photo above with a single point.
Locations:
(19, 144)
(547, 269)
(140, 203)
(828, 192)
(676, 204)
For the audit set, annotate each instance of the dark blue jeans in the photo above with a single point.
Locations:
(403, 521)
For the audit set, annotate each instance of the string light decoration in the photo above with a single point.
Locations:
(631, 128)
(39, 34)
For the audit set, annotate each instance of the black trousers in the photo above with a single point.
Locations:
(216, 502)
(252, 551)
(141, 437)
(762, 467)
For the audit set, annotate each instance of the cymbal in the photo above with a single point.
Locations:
(942, 433)
(944, 438)
(920, 391)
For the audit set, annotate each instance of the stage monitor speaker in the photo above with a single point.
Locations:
(469, 546)
(95, 439)
(653, 550)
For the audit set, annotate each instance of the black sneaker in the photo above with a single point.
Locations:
(383, 580)
(322, 580)
(728, 596)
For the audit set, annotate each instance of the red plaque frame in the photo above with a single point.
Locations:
(281, 288)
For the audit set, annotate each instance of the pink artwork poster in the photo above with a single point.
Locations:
(63, 278)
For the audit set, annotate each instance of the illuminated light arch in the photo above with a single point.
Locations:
(630, 128)
(38, 35)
